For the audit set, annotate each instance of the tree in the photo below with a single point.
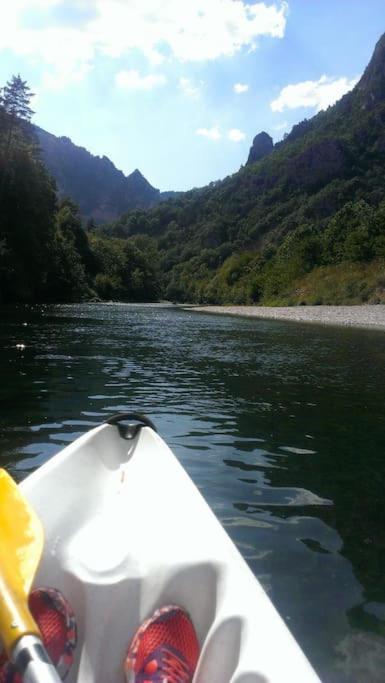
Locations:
(27, 201)
(14, 101)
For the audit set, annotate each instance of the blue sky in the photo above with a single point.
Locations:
(179, 88)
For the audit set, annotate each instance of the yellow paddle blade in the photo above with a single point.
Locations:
(21, 533)
(21, 545)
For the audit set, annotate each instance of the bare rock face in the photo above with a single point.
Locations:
(261, 147)
(371, 86)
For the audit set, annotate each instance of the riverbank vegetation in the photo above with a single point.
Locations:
(333, 258)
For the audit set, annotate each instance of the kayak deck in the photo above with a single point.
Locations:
(128, 532)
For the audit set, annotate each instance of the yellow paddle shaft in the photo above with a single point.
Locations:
(21, 544)
(15, 618)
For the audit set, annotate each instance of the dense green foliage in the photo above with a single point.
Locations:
(27, 202)
(45, 254)
(127, 268)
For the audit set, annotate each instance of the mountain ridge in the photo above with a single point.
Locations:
(101, 190)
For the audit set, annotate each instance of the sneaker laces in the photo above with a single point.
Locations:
(174, 669)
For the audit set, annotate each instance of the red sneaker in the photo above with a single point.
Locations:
(165, 649)
(56, 622)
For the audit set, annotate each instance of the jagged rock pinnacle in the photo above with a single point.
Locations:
(262, 145)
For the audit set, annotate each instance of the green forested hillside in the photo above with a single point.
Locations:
(316, 201)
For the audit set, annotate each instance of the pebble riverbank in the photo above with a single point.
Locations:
(372, 317)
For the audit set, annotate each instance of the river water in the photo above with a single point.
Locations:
(280, 425)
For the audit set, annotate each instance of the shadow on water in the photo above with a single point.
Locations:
(281, 426)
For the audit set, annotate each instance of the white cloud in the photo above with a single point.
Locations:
(236, 135)
(64, 76)
(281, 126)
(188, 87)
(210, 133)
(132, 80)
(240, 88)
(319, 94)
(214, 133)
(195, 31)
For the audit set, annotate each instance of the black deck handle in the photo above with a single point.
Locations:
(131, 430)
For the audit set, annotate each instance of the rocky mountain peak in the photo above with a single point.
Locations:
(137, 174)
(261, 147)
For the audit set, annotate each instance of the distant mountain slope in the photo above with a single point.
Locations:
(94, 183)
(315, 199)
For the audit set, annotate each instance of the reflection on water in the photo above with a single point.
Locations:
(281, 426)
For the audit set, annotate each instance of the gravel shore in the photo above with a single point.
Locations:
(372, 317)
